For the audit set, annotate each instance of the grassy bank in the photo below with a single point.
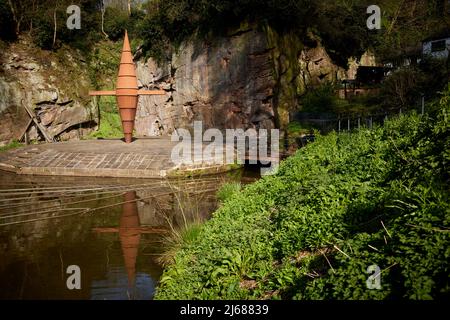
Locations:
(110, 123)
(338, 206)
(12, 145)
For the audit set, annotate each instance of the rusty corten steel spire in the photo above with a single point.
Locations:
(127, 91)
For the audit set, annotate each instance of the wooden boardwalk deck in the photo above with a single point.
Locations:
(144, 158)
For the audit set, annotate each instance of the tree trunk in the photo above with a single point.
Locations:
(31, 17)
(15, 18)
(394, 20)
(55, 26)
(103, 19)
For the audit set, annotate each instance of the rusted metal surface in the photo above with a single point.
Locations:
(151, 92)
(127, 92)
(102, 93)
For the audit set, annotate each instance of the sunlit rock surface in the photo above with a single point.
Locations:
(53, 85)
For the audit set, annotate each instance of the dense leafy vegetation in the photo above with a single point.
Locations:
(340, 24)
(403, 88)
(45, 22)
(227, 190)
(338, 206)
(110, 123)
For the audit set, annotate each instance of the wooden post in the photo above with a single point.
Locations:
(348, 124)
(25, 131)
(40, 127)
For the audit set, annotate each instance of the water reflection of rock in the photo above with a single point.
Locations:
(44, 248)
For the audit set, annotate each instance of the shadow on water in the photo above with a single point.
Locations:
(112, 229)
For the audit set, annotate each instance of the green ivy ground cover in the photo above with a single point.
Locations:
(341, 204)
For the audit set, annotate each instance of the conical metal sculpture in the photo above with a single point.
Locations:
(127, 92)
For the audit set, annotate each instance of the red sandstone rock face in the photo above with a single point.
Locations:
(53, 88)
(238, 81)
(228, 84)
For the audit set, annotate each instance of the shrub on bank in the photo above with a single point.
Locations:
(344, 203)
(228, 190)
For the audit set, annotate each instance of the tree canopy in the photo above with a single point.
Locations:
(162, 24)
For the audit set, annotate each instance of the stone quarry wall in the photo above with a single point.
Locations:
(251, 78)
(227, 83)
(53, 85)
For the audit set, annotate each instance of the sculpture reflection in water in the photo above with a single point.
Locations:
(119, 260)
(130, 231)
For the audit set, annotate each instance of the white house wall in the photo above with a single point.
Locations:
(439, 54)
